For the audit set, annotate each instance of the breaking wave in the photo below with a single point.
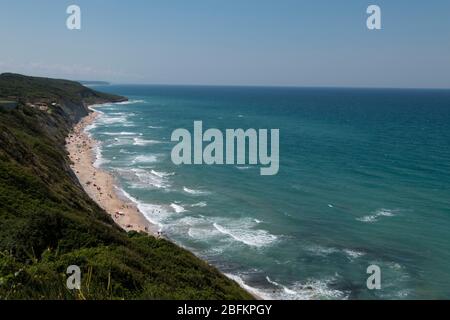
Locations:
(250, 237)
(377, 215)
(195, 192)
(310, 290)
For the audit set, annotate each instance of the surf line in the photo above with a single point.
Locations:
(227, 149)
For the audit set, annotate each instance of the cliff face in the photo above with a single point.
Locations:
(69, 98)
(47, 222)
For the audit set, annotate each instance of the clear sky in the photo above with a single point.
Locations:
(232, 42)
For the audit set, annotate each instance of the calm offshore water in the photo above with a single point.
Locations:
(364, 179)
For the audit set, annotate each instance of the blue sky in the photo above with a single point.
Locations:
(231, 42)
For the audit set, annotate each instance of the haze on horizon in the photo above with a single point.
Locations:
(253, 42)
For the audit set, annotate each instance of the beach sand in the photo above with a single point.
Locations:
(99, 184)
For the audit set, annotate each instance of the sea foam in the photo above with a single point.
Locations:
(199, 204)
(177, 208)
(310, 290)
(195, 192)
(143, 142)
(139, 178)
(154, 213)
(144, 159)
(377, 215)
(250, 237)
(130, 102)
(122, 133)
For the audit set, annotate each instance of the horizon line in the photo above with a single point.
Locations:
(293, 86)
(271, 86)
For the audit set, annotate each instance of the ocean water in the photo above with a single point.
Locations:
(364, 180)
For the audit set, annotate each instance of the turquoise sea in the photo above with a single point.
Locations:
(364, 180)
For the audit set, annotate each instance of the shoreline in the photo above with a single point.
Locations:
(99, 184)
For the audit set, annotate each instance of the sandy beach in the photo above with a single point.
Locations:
(99, 184)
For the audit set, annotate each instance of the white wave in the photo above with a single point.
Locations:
(321, 251)
(100, 105)
(147, 180)
(130, 102)
(377, 215)
(369, 219)
(257, 221)
(199, 204)
(325, 251)
(156, 214)
(162, 174)
(126, 151)
(353, 254)
(403, 294)
(395, 266)
(177, 208)
(145, 159)
(127, 195)
(195, 192)
(104, 119)
(143, 142)
(198, 228)
(286, 289)
(310, 290)
(254, 291)
(123, 141)
(225, 231)
(90, 127)
(315, 290)
(155, 127)
(243, 167)
(202, 234)
(122, 133)
(250, 237)
(139, 178)
(99, 160)
(198, 221)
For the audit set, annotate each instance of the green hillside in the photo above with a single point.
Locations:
(48, 223)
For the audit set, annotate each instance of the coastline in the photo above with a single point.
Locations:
(50, 216)
(101, 185)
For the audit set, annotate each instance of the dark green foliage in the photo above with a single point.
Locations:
(47, 222)
(66, 98)
(31, 89)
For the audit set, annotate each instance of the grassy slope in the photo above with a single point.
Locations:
(48, 223)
